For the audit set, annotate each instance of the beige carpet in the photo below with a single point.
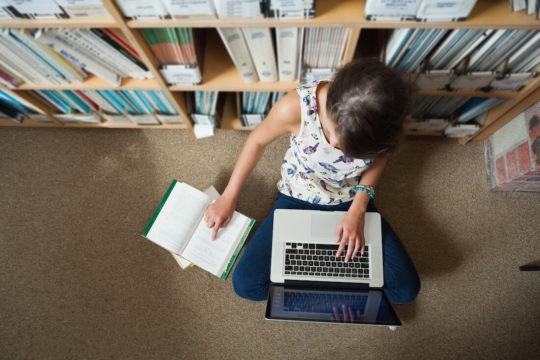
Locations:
(77, 282)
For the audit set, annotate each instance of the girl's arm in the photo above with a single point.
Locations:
(350, 231)
(283, 118)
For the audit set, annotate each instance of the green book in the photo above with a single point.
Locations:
(178, 226)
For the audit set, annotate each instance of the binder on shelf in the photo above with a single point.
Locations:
(472, 80)
(143, 119)
(170, 119)
(444, 10)
(324, 47)
(461, 130)
(182, 9)
(291, 9)
(14, 107)
(240, 8)
(91, 118)
(143, 9)
(435, 125)
(236, 46)
(434, 79)
(289, 47)
(261, 48)
(391, 10)
(93, 9)
(34, 9)
(510, 81)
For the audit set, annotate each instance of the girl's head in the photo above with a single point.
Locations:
(368, 103)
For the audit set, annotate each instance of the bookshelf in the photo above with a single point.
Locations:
(220, 74)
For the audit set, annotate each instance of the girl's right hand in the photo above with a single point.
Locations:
(219, 213)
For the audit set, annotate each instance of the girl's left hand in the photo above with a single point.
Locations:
(350, 233)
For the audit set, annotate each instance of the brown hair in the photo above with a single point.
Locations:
(368, 103)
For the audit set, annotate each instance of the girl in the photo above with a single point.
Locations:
(341, 133)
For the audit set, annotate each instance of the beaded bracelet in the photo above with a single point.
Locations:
(368, 189)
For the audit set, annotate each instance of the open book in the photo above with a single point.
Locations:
(178, 226)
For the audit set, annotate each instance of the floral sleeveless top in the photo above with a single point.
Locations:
(312, 170)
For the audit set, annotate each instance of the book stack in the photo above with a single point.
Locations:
(254, 105)
(453, 116)
(529, 7)
(137, 106)
(323, 52)
(464, 59)
(46, 9)
(15, 108)
(25, 59)
(420, 10)
(97, 51)
(204, 107)
(179, 53)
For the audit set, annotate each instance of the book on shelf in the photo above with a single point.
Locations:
(179, 52)
(138, 106)
(475, 107)
(444, 10)
(510, 81)
(15, 108)
(391, 10)
(96, 52)
(238, 50)
(253, 106)
(435, 125)
(324, 47)
(199, 9)
(93, 9)
(288, 48)
(434, 79)
(34, 9)
(31, 61)
(291, 9)
(437, 107)
(261, 48)
(143, 9)
(205, 107)
(178, 226)
(498, 47)
(456, 130)
(240, 8)
(527, 57)
(476, 80)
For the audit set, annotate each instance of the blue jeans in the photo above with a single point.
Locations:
(251, 277)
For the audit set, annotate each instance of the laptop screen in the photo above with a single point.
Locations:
(337, 305)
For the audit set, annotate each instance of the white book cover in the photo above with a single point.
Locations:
(238, 8)
(444, 10)
(236, 46)
(143, 9)
(38, 9)
(261, 48)
(391, 9)
(178, 226)
(190, 8)
(288, 48)
(84, 8)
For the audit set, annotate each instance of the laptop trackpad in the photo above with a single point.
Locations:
(324, 225)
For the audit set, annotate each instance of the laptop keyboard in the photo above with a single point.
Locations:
(320, 260)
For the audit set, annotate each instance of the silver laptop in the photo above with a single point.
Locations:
(308, 283)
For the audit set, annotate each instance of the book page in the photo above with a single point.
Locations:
(213, 255)
(180, 214)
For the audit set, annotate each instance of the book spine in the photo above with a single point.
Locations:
(234, 256)
(158, 209)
